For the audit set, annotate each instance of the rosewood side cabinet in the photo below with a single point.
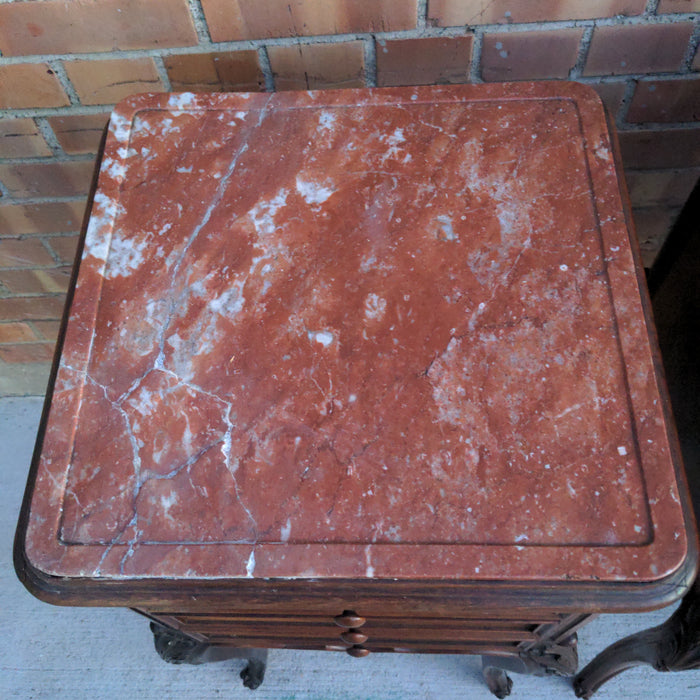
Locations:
(360, 370)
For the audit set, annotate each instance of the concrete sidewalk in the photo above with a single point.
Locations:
(95, 653)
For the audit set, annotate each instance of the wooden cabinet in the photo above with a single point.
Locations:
(380, 352)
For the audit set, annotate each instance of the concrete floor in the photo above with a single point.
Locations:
(80, 653)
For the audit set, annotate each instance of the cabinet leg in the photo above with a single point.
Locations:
(254, 673)
(547, 658)
(175, 647)
(672, 646)
(496, 679)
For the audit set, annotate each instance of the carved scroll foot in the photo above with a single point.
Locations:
(254, 673)
(546, 658)
(177, 648)
(672, 646)
(497, 679)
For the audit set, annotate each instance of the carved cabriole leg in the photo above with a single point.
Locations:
(176, 647)
(672, 646)
(553, 653)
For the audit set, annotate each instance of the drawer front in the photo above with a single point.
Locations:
(380, 634)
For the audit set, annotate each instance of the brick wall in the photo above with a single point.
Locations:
(64, 63)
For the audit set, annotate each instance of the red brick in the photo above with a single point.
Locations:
(653, 225)
(424, 61)
(217, 72)
(48, 329)
(678, 6)
(15, 252)
(696, 60)
(451, 13)
(27, 352)
(65, 26)
(315, 66)
(528, 55)
(666, 101)
(31, 308)
(53, 281)
(47, 179)
(650, 149)
(15, 332)
(611, 94)
(52, 217)
(651, 48)
(64, 246)
(107, 82)
(252, 19)
(666, 188)
(25, 85)
(79, 133)
(20, 138)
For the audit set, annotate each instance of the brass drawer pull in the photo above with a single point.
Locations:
(353, 637)
(349, 619)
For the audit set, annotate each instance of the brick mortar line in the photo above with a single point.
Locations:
(59, 70)
(45, 160)
(47, 132)
(623, 110)
(87, 110)
(651, 7)
(199, 21)
(266, 68)
(582, 54)
(422, 14)
(418, 33)
(76, 110)
(38, 236)
(33, 295)
(475, 66)
(370, 61)
(27, 201)
(692, 47)
(657, 126)
(162, 72)
(38, 341)
(56, 266)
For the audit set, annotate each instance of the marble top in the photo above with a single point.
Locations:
(364, 333)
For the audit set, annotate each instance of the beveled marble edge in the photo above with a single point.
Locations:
(665, 554)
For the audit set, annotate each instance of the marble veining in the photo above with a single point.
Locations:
(391, 333)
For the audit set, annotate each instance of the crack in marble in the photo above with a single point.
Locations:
(216, 200)
(226, 451)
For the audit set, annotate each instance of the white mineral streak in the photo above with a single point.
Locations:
(446, 226)
(323, 337)
(119, 127)
(250, 566)
(116, 169)
(97, 239)
(393, 140)
(286, 531)
(375, 307)
(368, 560)
(326, 120)
(263, 213)
(125, 256)
(312, 192)
(167, 502)
(182, 101)
(229, 303)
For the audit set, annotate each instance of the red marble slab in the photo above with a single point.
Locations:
(359, 334)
